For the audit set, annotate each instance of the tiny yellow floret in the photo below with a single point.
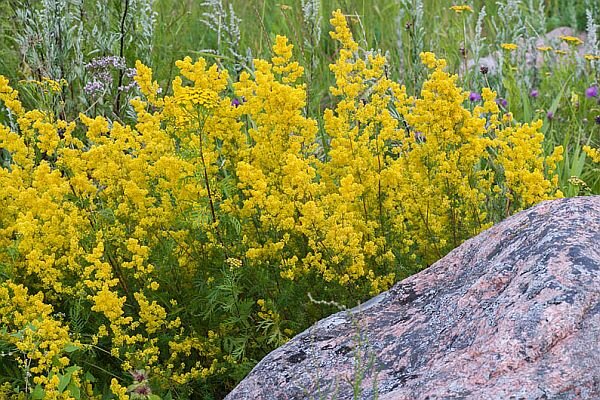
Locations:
(509, 46)
(460, 9)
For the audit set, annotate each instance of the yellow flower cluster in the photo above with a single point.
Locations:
(592, 153)
(462, 8)
(48, 85)
(80, 217)
(509, 46)
(221, 180)
(573, 40)
(342, 32)
(10, 97)
(38, 337)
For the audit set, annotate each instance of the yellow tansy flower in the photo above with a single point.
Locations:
(509, 46)
(591, 57)
(460, 9)
(592, 153)
(575, 41)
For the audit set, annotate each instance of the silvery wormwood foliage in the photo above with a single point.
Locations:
(509, 26)
(592, 45)
(536, 19)
(410, 20)
(478, 40)
(57, 37)
(139, 20)
(535, 27)
(50, 38)
(311, 14)
(226, 25)
(411, 10)
(143, 18)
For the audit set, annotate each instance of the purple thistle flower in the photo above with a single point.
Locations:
(235, 102)
(550, 115)
(592, 91)
(502, 102)
(474, 96)
(534, 93)
(139, 375)
(143, 390)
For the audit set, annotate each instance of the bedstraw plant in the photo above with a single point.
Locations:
(166, 256)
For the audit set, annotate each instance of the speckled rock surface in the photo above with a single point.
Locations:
(513, 313)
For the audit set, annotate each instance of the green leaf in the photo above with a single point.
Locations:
(527, 112)
(73, 368)
(555, 105)
(154, 397)
(71, 348)
(64, 382)
(74, 389)
(89, 377)
(38, 393)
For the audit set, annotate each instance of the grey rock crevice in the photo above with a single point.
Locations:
(513, 313)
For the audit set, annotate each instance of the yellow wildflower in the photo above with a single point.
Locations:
(460, 9)
(118, 390)
(572, 40)
(196, 183)
(10, 97)
(509, 46)
(592, 153)
(147, 86)
(342, 31)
